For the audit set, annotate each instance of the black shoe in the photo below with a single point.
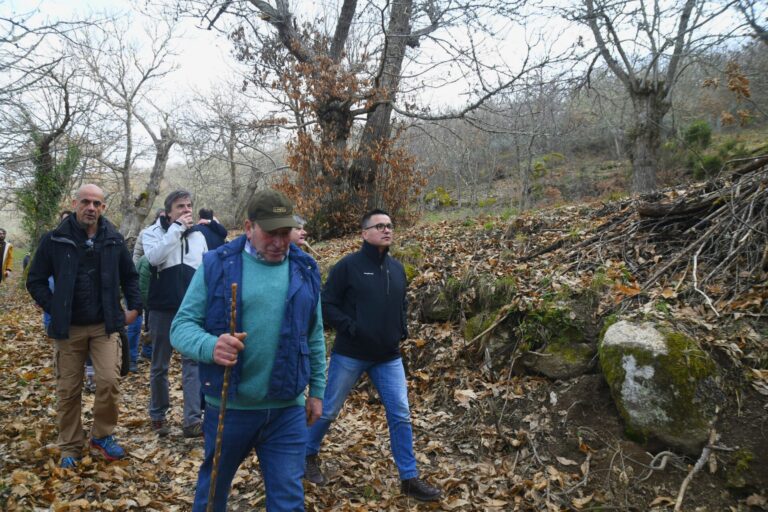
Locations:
(312, 471)
(160, 427)
(195, 430)
(419, 489)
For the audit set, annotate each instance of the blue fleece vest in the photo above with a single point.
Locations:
(291, 371)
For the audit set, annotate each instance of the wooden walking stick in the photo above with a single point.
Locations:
(222, 407)
(314, 253)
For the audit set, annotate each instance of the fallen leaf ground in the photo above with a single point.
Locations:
(492, 440)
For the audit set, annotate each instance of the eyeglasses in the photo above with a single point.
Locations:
(89, 247)
(381, 226)
(96, 203)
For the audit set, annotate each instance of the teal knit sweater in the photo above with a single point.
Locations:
(263, 290)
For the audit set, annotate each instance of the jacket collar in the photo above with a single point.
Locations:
(69, 228)
(373, 252)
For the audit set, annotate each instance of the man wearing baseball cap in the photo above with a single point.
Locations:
(278, 350)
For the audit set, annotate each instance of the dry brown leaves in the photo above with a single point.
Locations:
(464, 443)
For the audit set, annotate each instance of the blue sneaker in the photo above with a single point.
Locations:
(69, 463)
(108, 447)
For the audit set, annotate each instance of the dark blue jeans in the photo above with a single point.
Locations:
(278, 436)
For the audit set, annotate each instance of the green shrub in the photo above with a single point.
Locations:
(732, 148)
(708, 165)
(508, 214)
(698, 134)
(440, 197)
(490, 201)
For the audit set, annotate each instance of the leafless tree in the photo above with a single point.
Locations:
(23, 56)
(756, 14)
(365, 61)
(122, 78)
(36, 96)
(647, 45)
(224, 139)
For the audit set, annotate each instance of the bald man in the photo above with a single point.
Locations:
(90, 265)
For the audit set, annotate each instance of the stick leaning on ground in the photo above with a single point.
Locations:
(222, 407)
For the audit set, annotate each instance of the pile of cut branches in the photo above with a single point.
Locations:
(707, 243)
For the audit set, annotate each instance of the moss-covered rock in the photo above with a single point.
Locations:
(436, 307)
(477, 325)
(663, 384)
(551, 325)
(561, 360)
(555, 338)
(739, 471)
(442, 305)
(411, 257)
(491, 293)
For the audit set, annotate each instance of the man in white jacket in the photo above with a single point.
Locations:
(175, 249)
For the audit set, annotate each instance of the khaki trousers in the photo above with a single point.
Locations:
(70, 356)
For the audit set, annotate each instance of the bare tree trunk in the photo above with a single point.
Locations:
(647, 84)
(650, 109)
(136, 213)
(125, 171)
(231, 159)
(378, 126)
(526, 193)
(250, 189)
(50, 177)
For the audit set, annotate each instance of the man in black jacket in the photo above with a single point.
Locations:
(215, 234)
(364, 300)
(90, 264)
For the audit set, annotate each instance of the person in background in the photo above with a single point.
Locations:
(6, 256)
(299, 234)
(134, 331)
(278, 306)
(138, 247)
(91, 265)
(175, 250)
(145, 272)
(364, 300)
(215, 234)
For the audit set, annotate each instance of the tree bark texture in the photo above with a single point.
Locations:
(650, 107)
(136, 214)
(378, 126)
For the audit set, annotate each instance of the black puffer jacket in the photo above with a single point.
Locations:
(58, 256)
(364, 300)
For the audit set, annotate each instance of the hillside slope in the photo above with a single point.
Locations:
(491, 432)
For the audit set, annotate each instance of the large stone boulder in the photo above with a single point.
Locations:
(662, 382)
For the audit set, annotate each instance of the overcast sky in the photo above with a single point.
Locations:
(203, 56)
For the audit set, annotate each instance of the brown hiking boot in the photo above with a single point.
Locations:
(161, 427)
(312, 471)
(419, 489)
(194, 430)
